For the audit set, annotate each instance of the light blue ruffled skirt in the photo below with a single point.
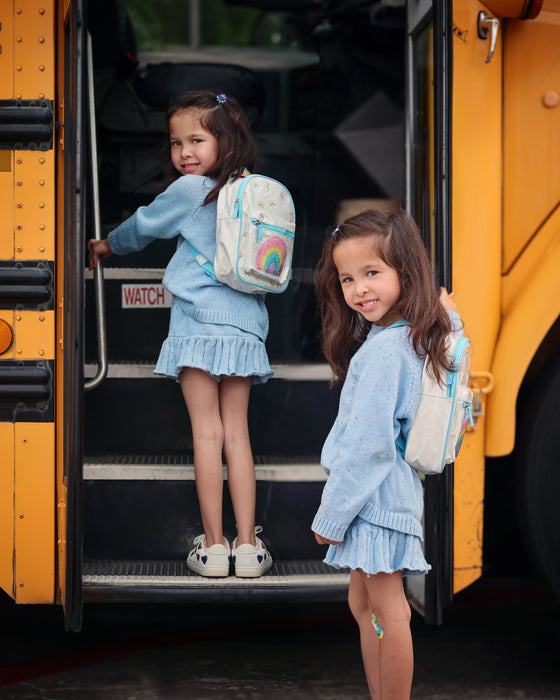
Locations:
(375, 549)
(219, 350)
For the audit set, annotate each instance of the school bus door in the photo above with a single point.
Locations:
(71, 196)
(455, 194)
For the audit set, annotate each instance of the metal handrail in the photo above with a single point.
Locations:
(102, 364)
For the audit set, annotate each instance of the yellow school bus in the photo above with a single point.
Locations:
(451, 107)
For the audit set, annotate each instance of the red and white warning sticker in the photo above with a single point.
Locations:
(145, 296)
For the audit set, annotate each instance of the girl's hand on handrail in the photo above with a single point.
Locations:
(447, 300)
(97, 249)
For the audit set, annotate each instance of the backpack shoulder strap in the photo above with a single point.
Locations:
(204, 263)
(399, 442)
(400, 322)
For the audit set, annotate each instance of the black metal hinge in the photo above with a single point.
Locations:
(26, 125)
(27, 284)
(26, 391)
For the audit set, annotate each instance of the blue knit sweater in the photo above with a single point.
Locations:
(179, 211)
(367, 475)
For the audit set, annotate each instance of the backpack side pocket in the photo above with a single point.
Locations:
(462, 416)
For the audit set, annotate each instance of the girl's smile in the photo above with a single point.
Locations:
(368, 284)
(193, 149)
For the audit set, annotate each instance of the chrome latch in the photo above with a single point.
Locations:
(485, 24)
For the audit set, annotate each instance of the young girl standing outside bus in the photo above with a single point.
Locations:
(215, 347)
(374, 270)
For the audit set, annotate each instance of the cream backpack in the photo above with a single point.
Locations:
(443, 412)
(255, 228)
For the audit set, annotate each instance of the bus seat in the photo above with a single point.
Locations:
(157, 83)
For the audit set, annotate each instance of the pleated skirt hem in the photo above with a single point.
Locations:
(374, 549)
(218, 356)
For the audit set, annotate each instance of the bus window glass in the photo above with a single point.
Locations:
(423, 140)
(324, 94)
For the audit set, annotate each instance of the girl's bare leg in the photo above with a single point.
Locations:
(396, 660)
(201, 394)
(234, 404)
(358, 602)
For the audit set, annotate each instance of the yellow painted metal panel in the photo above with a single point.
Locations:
(522, 332)
(468, 511)
(34, 49)
(34, 512)
(61, 486)
(34, 335)
(35, 216)
(7, 218)
(477, 225)
(7, 54)
(7, 508)
(5, 161)
(530, 261)
(531, 129)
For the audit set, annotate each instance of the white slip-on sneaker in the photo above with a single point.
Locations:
(251, 561)
(209, 561)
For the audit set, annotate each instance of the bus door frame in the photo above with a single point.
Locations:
(73, 22)
(438, 490)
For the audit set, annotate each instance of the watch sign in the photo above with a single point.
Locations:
(145, 296)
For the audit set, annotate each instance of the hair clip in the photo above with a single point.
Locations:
(333, 234)
(221, 98)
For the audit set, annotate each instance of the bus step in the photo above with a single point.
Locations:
(165, 580)
(181, 468)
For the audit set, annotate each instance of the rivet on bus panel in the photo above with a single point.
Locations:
(19, 205)
(21, 516)
(42, 249)
(41, 160)
(41, 352)
(19, 11)
(41, 41)
(41, 11)
(19, 161)
(42, 227)
(19, 227)
(41, 182)
(41, 68)
(18, 67)
(41, 205)
(19, 249)
(19, 39)
(19, 183)
(551, 99)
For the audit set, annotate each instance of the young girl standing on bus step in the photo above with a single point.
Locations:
(374, 270)
(216, 342)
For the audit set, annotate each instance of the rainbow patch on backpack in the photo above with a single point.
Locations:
(271, 256)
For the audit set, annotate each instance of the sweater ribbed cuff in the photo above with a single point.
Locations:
(328, 529)
(114, 243)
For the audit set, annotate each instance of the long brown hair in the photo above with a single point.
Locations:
(226, 121)
(397, 241)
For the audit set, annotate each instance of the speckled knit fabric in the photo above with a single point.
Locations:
(220, 350)
(213, 327)
(373, 501)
